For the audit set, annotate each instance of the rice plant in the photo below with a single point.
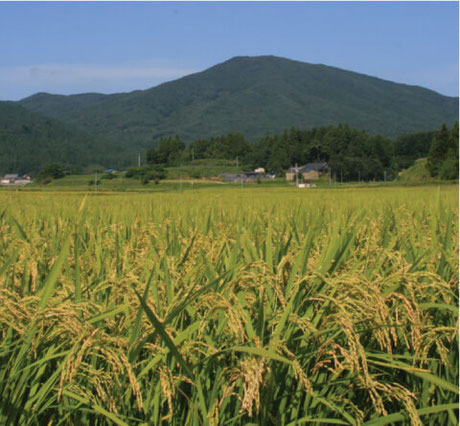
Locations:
(248, 306)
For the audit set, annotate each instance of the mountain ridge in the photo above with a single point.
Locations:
(235, 58)
(254, 96)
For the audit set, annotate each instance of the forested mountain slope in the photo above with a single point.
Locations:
(254, 96)
(28, 141)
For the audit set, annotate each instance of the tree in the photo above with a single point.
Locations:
(152, 156)
(412, 146)
(438, 151)
(52, 170)
(278, 162)
(156, 174)
(168, 152)
(449, 167)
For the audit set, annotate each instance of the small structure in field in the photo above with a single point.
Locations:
(306, 185)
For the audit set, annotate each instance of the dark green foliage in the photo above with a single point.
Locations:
(412, 146)
(438, 151)
(350, 153)
(442, 160)
(156, 174)
(245, 99)
(45, 180)
(227, 147)
(168, 152)
(147, 173)
(449, 168)
(253, 96)
(49, 172)
(28, 141)
(204, 168)
(109, 176)
(54, 170)
(131, 172)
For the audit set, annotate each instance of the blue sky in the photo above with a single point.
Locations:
(107, 47)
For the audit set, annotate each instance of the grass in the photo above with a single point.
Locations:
(182, 182)
(236, 306)
(203, 168)
(416, 173)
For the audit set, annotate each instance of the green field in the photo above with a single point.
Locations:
(179, 180)
(261, 305)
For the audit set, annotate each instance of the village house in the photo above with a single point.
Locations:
(15, 179)
(257, 174)
(310, 171)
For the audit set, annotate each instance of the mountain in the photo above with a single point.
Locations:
(254, 96)
(28, 141)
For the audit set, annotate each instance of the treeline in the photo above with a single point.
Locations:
(351, 154)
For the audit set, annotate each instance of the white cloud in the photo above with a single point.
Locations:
(20, 81)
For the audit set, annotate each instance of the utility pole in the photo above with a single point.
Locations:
(138, 160)
(385, 175)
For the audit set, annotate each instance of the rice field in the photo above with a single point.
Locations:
(242, 306)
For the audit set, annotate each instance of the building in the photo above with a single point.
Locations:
(245, 177)
(15, 179)
(310, 171)
(232, 177)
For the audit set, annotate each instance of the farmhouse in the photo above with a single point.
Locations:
(310, 171)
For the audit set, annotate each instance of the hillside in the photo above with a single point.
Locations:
(417, 173)
(28, 141)
(254, 96)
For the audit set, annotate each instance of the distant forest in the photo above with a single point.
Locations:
(259, 97)
(351, 154)
(28, 142)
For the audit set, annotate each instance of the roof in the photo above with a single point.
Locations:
(309, 167)
(230, 177)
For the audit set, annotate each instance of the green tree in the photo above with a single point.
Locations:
(412, 146)
(278, 162)
(156, 174)
(438, 151)
(52, 170)
(168, 152)
(449, 167)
